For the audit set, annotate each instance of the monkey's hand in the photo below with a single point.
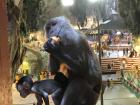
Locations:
(52, 45)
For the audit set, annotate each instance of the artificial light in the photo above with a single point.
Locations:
(67, 2)
(93, 1)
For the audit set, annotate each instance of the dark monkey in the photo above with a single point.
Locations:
(43, 88)
(66, 45)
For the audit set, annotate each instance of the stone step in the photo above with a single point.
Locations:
(117, 62)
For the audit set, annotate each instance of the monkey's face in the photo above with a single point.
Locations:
(50, 28)
(52, 31)
(55, 26)
(23, 89)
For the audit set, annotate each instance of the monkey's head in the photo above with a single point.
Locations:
(60, 27)
(24, 86)
(55, 26)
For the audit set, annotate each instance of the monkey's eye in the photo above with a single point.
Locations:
(19, 87)
(26, 85)
(53, 24)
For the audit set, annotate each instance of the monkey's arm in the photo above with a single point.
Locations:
(54, 49)
(40, 93)
(53, 64)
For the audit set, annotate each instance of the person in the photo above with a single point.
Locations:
(118, 53)
(108, 83)
(109, 67)
(112, 65)
(109, 54)
(121, 69)
(123, 51)
(127, 51)
(102, 52)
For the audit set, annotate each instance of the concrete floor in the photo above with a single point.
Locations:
(119, 95)
(115, 95)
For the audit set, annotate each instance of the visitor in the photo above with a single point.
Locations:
(112, 65)
(108, 83)
(109, 67)
(127, 51)
(123, 51)
(118, 53)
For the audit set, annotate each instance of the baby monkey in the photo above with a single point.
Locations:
(54, 87)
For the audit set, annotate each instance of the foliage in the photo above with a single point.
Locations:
(130, 11)
(136, 43)
(37, 61)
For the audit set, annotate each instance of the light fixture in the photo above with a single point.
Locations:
(67, 2)
(93, 1)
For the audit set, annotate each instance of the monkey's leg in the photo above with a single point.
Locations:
(44, 96)
(39, 99)
(79, 93)
(57, 96)
(46, 100)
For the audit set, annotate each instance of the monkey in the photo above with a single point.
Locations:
(66, 45)
(43, 88)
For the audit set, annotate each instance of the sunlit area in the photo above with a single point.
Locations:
(70, 52)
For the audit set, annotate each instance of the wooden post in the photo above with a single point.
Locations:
(5, 73)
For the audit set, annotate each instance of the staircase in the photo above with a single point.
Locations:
(105, 61)
(117, 62)
(132, 62)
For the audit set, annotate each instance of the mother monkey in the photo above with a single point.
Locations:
(66, 45)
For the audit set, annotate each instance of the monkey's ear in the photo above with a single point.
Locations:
(26, 85)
